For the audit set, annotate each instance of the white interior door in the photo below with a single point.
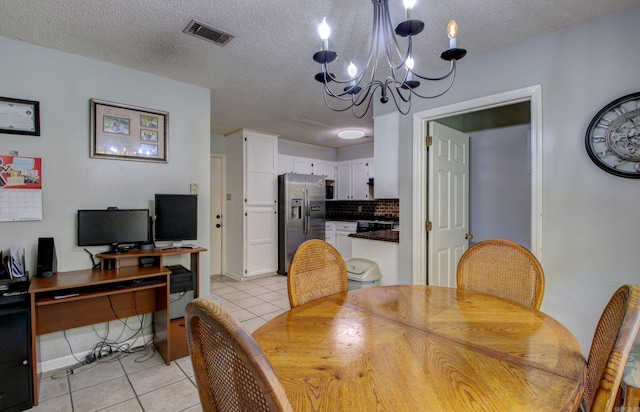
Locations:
(448, 200)
(217, 213)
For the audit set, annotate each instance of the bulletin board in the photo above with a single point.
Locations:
(20, 188)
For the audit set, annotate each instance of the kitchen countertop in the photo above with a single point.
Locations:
(382, 235)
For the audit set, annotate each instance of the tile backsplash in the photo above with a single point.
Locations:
(387, 208)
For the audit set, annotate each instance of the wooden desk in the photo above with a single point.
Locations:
(409, 348)
(95, 296)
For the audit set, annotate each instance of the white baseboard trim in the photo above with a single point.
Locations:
(69, 360)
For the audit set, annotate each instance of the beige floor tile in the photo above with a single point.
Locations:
(282, 303)
(57, 404)
(197, 408)
(134, 362)
(99, 373)
(175, 397)
(101, 396)
(272, 295)
(272, 315)
(263, 308)
(186, 365)
(230, 307)
(247, 302)
(236, 296)
(150, 379)
(132, 405)
(224, 290)
(49, 387)
(243, 315)
(252, 324)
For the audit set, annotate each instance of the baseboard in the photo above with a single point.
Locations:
(69, 360)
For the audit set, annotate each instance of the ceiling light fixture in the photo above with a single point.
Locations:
(350, 134)
(401, 84)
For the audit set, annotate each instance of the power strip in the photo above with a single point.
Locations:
(87, 365)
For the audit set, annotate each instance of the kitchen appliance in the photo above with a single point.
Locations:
(373, 225)
(301, 214)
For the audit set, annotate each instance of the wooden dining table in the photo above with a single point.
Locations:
(423, 348)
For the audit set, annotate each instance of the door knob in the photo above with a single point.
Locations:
(218, 225)
(468, 236)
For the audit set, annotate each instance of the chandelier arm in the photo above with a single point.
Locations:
(395, 101)
(453, 77)
(452, 71)
(392, 36)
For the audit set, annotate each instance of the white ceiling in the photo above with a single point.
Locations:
(263, 79)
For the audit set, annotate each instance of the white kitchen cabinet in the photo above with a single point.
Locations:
(285, 164)
(325, 168)
(386, 129)
(352, 179)
(330, 233)
(343, 241)
(303, 165)
(252, 231)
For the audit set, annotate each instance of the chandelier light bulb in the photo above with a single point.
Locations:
(409, 63)
(352, 70)
(408, 7)
(325, 31)
(452, 32)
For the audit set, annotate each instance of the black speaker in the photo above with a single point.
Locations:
(47, 262)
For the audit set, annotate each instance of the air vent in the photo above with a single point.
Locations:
(209, 33)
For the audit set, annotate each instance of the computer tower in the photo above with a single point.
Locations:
(181, 290)
(47, 264)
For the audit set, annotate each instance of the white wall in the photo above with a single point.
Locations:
(500, 185)
(291, 148)
(589, 223)
(63, 84)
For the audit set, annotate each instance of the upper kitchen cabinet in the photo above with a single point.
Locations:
(285, 164)
(303, 165)
(352, 179)
(386, 129)
(306, 166)
(252, 235)
(325, 168)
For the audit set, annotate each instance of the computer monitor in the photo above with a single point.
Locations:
(113, 227)
(176, 218)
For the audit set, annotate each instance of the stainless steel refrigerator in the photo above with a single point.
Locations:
(301, 213)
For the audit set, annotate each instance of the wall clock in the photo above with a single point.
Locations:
(613, 137)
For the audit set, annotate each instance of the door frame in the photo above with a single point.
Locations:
(420, 179)
(223, 221)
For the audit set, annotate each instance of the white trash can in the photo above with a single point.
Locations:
(362, 273)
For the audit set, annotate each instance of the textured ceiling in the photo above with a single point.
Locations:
(263, 79)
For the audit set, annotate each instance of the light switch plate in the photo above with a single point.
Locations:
(194, 188)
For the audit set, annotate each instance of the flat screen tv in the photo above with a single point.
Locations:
(113, 227)
(176, 218)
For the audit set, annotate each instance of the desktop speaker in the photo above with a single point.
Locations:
(47, 265)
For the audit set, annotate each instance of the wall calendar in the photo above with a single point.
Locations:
(20, 188)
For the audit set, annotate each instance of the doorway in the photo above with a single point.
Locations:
(448, 114)
(217, 218)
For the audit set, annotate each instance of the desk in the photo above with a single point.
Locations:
(397, 348)
(95, 296)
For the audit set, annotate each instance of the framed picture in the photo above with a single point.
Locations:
(123, 132)
(19, 116)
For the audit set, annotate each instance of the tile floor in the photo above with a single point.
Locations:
(127, 384)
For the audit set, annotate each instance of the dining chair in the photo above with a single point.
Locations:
(232, 373)
(502, 268)
(316, 270)
(613, 339)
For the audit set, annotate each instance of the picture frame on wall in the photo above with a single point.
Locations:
(18, 116)
(125, 132)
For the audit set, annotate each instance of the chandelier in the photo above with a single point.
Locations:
(358, 89)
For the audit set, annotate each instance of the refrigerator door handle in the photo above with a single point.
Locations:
(305, 213)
